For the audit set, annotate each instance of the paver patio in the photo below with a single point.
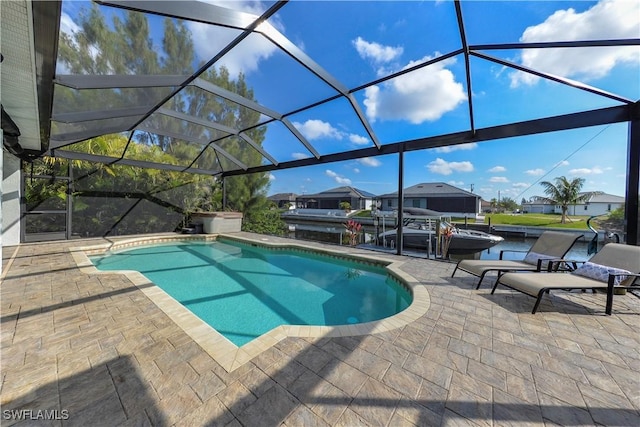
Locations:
(97, 351)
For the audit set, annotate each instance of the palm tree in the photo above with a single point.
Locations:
(564, 193)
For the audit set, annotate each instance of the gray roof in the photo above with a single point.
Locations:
(605, 198)
(283, 196)
(539, 202)
(431, 189)
(345, 191)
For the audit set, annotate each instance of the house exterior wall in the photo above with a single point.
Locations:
(10, 209)
(319, 203)
(281, 200)
(593, 208)
(333, 203)
(416, 203)
(539, 208)
(461, 205)
(465, 205)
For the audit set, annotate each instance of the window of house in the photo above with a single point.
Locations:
(609, 207)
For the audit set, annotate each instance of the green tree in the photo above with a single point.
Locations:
(564, 192)
(617, 214)
(508, 204)
(126, 47)
(266, 221)
(120, 199)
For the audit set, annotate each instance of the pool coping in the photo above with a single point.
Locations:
(223, 351)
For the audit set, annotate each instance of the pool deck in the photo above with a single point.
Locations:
(95, 349)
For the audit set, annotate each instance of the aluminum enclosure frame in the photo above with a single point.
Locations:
(48, 18)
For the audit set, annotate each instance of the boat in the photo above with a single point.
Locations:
(418, 236)
(472, 241)
(419, 232)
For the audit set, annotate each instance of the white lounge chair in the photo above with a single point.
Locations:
(615, 265)
(550, 245)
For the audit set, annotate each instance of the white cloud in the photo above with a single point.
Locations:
(535, 172)
(497, 169)
(70, 28)
(561, 163)
(67, 25)
(509, 192)
(456, 183)
(520, 184)
(272, 177)
(356, 170)
(254, 7)
(375, 51)
(317, 129)
(369, 161)
(443, 167)
(498, 179)
(487, 189)
(358, 139)
(450, 148)
(608, 19)
(586, 171)
(338, 178)
(208, 40)
(299, 156)
(423, 95)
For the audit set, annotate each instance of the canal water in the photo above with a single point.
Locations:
(578, 252)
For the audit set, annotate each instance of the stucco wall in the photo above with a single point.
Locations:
(10, 210)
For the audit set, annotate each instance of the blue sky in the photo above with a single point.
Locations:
(357, 42)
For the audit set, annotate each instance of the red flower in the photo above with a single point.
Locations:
(353, 229)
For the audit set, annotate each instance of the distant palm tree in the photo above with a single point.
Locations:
(494, 204)
(564, 193)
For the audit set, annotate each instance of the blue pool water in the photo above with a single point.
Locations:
(244, 291)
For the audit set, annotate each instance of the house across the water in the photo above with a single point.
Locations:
(332, 199)
(597, 203)
(436, 196)
(284, 199)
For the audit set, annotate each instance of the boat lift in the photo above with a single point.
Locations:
(430, 220)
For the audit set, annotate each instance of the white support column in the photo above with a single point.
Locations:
(10, 208)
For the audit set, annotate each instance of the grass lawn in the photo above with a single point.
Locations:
(537, 220)
(578, 222)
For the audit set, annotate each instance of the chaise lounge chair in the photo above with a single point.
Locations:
(550, 245)
(615, 265)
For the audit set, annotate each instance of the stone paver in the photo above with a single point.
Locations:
(95, 349)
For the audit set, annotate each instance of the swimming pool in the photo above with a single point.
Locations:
(244, 290)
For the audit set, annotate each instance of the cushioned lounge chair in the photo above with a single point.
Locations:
(550, 245)
(615, 265)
